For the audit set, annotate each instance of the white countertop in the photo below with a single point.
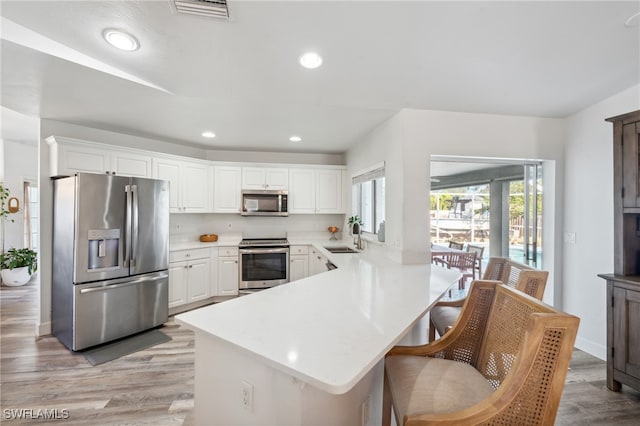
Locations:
(329, 329)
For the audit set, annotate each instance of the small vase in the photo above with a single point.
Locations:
(15, 277)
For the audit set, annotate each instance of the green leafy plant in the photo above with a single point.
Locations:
(4, 195)
(355, 219)
(19, 258)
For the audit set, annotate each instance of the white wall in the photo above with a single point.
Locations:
(589, 213)
(187, 227)
(276, 157)
(21, 164)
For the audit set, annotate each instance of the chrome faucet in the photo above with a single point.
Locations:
(359, 242)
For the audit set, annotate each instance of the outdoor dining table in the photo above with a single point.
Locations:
(442, 251)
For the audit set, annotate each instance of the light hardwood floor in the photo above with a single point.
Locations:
(155, 386)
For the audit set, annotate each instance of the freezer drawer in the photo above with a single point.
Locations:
(107, 311)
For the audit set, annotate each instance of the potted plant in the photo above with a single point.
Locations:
(17, 266)
(354, 224)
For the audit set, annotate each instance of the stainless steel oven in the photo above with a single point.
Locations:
(264, 263)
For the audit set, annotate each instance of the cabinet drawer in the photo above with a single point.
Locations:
(228, 251)
(180, 255)
(299, 250)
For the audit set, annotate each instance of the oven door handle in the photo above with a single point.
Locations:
(264, 250)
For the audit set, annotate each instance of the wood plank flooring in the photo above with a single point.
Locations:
(155, 386)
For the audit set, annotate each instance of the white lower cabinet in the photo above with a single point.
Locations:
(189, 272)
(317, 262)
(228, 278)
(298, 262)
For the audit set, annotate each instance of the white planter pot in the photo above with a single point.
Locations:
(15, 277)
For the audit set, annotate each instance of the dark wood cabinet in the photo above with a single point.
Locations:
(623, 331)
(630, 165)
(623, 286)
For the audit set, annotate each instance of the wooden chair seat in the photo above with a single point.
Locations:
(415, 385)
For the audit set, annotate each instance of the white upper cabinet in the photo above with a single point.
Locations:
(302, 193)
(316, 191)
(70, 156)
(189, 184)
(227, 189)
(265, 178)
(200, 186)
(329, 191)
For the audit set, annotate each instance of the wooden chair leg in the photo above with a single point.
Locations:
(432, 331)
(386, 402)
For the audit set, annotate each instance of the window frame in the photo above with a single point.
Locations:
(372, 175)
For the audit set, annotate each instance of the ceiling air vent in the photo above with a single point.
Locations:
(212, 8)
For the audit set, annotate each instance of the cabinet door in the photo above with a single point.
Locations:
(76, 158)
(329, 191)
(169, 170)
(226, 195)
(198, 281)
(227, 276)
(626, 331)
(276, 179)
(302, 191)
(253, 178)
(630, 162)
(177, 283)
(130, 164)
(298, 267)
(213, 273)
(195, 187)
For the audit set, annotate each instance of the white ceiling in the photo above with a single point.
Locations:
(241, 78)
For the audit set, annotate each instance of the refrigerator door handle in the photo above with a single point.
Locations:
(128, 283)
(127, 227)
(134, 209)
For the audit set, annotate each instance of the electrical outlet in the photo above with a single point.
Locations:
(228, 225)
(247, 396)
(364, 417)
(570, 237)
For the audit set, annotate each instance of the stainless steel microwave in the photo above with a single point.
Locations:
(264, 203)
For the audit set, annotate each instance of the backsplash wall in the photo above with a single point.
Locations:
(190, 226)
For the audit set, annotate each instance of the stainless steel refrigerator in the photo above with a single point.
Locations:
(110, 257)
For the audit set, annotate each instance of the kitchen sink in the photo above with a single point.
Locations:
(341, 249)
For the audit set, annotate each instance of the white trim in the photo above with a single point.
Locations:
(368, 169)
(591, 347)
(43, 329)
(487, 160)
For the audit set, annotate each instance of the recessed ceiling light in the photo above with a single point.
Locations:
(311, 60)
(295, 138)
(121, 40)
(209, 134)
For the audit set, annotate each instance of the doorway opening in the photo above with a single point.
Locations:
(492, 203)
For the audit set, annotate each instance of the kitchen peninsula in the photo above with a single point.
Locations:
(311, 351)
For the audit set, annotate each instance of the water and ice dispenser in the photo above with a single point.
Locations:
(104, 249)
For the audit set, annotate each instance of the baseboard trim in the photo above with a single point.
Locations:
(43, 329)
(592, 348)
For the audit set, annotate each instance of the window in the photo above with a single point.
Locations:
(30, 217)
(368, 198)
